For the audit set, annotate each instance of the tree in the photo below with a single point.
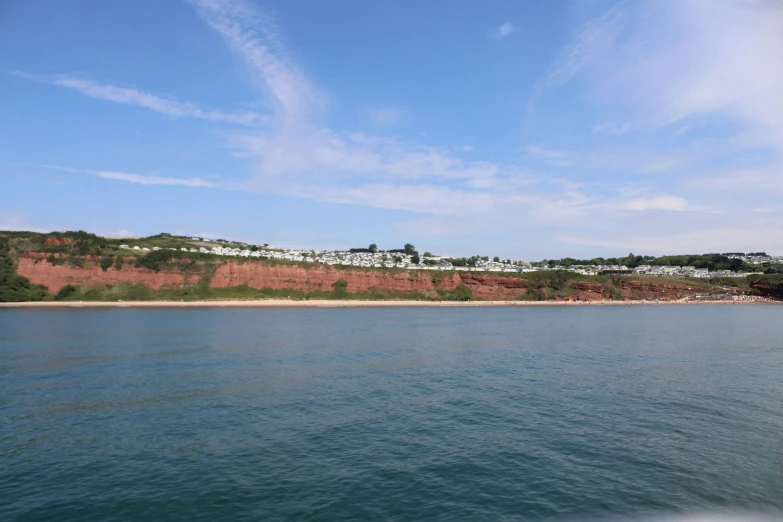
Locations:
(427, 254)
(373, 248)
(496, 259)
(415, 259)
(409, 249)
(398, 259)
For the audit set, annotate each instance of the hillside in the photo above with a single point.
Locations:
(84, 267)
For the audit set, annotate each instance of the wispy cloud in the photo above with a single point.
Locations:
(503, 30)
(131, 96)
(668, 203)
(552, 157)
(611, 128)
(385, 116)
(139, 179)
(255, 38)
(669, 61)
(302, 160)
(590, 42)
(451, 192)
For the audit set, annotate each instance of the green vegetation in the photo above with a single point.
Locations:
(340, 286)
(711, 261)
(106, 262)
(158, 260)
(55, 260)
(13, 287)
(65, 292)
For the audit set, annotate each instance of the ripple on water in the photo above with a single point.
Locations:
(397, 414)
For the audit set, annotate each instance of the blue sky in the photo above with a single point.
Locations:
(527, 129)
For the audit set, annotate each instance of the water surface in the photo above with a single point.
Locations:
(546, 413)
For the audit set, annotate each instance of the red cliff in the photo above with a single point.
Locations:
(311, 278)
(39, 271)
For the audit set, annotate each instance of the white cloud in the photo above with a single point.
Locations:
(131, 96)
(503, 30)
(671, 203)
(122, 233)
(135, 178)
(385, 116)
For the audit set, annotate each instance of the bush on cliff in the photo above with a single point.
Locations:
(65, 292)
(106, 262)
(157, 260)
(54, 260)
(13, 287)
(340, 286)
(463, 293)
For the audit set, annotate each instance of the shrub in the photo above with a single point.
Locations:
(340, 286)
(54, 260)
(462, 293)
(106, 262)
(118, 263)
(65, 292)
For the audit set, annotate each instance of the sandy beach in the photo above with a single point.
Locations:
(326, 303)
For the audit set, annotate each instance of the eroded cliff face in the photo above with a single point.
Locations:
(648, 290)
(39, 271)
(58, 241)
(768, 289)
(317, 278)
(260, 275)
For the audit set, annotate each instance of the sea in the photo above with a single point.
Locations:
(442, 413)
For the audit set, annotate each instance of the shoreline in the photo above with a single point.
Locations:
(328, 303)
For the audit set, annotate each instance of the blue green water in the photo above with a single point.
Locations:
(552, 413)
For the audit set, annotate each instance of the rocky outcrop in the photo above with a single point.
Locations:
(768, 288)
(635, 289)
(59, 241)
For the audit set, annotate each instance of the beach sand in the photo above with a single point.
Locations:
(327, 303)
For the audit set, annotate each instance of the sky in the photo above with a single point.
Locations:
(523, 129)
